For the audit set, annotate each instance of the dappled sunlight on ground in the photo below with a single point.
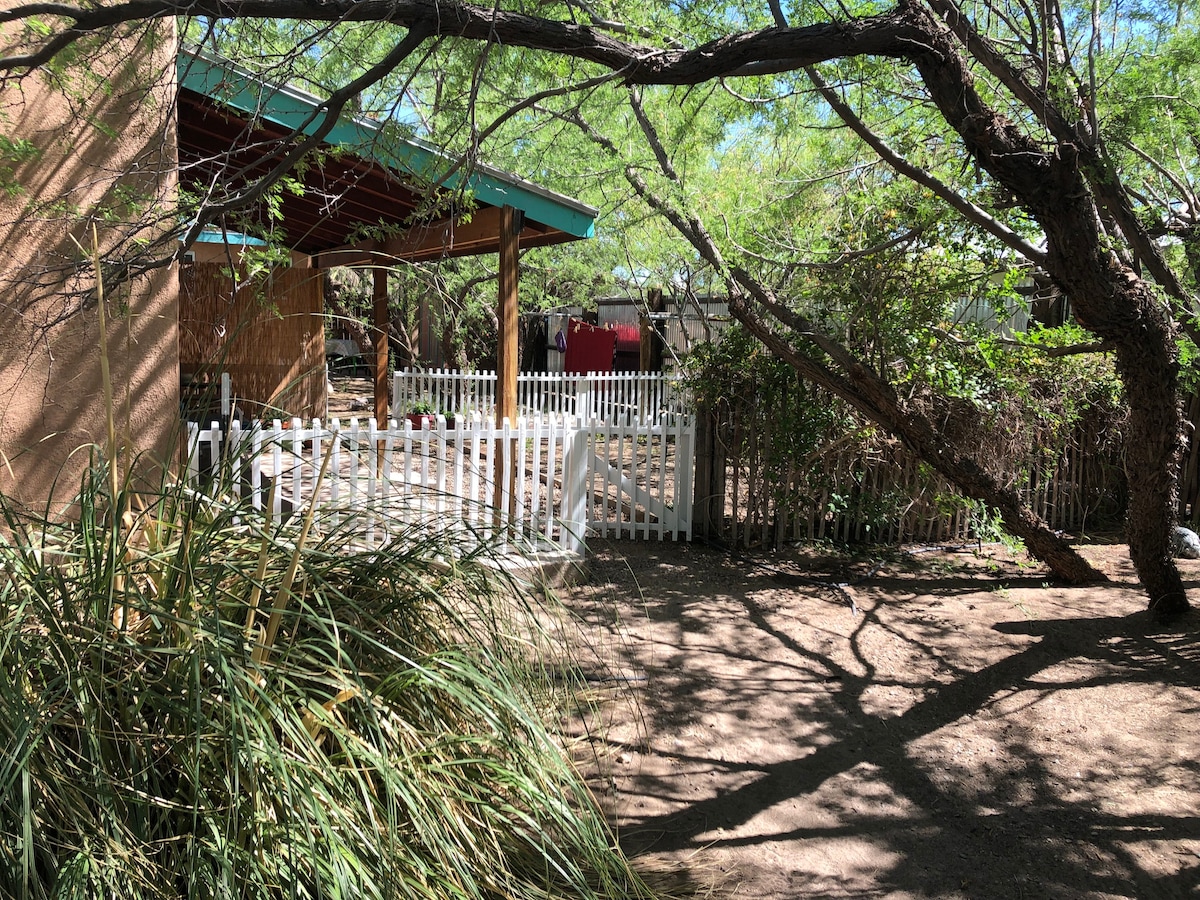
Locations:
(942, 724)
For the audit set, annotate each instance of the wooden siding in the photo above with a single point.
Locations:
(269, 335)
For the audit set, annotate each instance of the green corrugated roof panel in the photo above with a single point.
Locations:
(233, 86)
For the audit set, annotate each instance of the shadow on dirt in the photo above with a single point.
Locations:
(956, 747)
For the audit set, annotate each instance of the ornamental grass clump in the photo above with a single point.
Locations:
(202, 702)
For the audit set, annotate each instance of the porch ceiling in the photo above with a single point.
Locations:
(234, 128)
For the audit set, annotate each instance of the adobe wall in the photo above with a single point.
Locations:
(100, 148)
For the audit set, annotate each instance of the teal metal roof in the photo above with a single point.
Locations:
(287, 107)
(212, 235)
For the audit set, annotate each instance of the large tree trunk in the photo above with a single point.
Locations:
(1109, 298)
(1111, 301)
(1152, 451)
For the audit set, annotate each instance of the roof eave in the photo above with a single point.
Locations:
(227, 83)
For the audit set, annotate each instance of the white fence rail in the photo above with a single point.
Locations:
(608, 396)
(568, 478)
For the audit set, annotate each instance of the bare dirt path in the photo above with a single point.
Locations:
(948, 725)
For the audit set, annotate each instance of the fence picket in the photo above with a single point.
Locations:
(535, 487)
(570, 476)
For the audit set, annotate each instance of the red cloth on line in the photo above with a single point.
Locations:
(628, 357)
(589, 349)
(629, 337)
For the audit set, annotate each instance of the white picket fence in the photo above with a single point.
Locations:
(608, 396)
(568, 479)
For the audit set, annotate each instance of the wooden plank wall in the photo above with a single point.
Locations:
(1189, 476)
(268, 335)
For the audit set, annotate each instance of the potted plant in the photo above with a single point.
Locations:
(421, 414)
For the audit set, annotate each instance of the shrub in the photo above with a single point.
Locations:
(204, 703)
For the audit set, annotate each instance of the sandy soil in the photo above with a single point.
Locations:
(949, 724)
(351, 397)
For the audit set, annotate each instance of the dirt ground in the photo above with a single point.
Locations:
(947, 724)
(350, 396)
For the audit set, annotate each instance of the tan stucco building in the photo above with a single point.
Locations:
(87, 142)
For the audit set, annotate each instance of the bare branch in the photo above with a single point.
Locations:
(533, 101)
(1184, 189)
(610, 25)
(651, 135)
(331, 110)
(1035, 99)
(969, 211)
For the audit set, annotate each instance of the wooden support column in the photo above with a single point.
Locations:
(379, 337)
(511, 223)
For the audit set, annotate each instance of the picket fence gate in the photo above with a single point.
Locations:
(613, 397)
(568, 478)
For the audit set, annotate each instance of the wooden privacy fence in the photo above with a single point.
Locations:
(1189, 476)
(569, 478)
(607, 396)
(268, 333)
(877, 491)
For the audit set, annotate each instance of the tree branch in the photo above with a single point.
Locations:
(969, 211)
(332, 110)
(770, 50)
(1035, 99)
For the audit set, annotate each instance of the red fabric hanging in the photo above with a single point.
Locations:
(628, 357)
(589, 349)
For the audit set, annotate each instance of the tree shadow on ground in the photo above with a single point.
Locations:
(858, 771)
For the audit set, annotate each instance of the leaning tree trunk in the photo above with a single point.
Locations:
(957, 464)
(872, 395)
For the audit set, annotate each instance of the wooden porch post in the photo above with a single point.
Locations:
(379, 337)
(511, 223)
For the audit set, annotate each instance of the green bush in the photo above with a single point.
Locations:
(204, 703)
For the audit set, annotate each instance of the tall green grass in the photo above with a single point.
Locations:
(198, 701)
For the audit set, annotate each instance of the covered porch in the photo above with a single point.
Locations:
(364, 197)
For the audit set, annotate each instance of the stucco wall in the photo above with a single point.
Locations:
(103, 153)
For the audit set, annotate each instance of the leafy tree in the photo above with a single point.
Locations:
(999, 112)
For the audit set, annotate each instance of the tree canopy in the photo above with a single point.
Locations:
(782, 145)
